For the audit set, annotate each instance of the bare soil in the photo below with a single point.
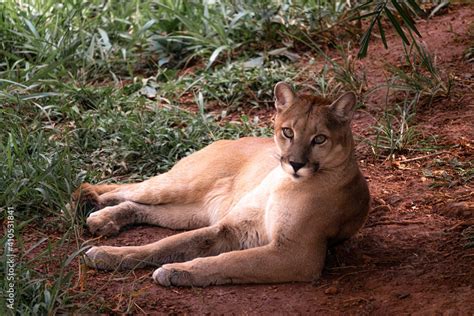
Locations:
(408, 259)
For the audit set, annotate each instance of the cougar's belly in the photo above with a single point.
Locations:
(235, 168)
(250, 213)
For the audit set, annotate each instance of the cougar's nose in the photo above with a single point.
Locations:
(297, 165)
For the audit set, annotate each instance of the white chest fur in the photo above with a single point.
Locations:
(265, 207)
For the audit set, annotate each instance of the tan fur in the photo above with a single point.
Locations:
(253, 217)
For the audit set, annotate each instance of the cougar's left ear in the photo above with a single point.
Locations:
(344, 107)
(284, 96)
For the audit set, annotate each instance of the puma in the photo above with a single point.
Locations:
(258, 210)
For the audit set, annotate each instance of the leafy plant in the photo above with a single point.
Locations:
(336, 75)
(376, 10)
(346, 73)
(419, 77)
(325, 84)
(213, 29)
(394, 132)
(236, 85)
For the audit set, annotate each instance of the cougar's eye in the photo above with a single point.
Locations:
(319, 139)
(287, 132)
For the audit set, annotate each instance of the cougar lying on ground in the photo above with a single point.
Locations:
(258, 210)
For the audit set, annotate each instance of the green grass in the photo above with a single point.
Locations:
(395, 132)
(412, 85)
(42, 284)
(94, 40)
(419, 76)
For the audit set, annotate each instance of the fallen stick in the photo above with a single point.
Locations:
(402, 223)
(465, 223)
(423, 157)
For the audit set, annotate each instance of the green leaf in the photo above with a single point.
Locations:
(236, 18)
(105, 39)
(214, 55)
(75, 254)
(32, 28)
(147, 26)
(406, 17)
(41, 95)
(363, 5)
(396, 25)
(416, 8)
(438, 7)
(382, 34)
(364, 42)
(363, 16)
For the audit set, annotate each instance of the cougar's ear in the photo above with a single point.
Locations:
(284, 96)
(344, 107)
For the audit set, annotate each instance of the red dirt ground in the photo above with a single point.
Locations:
(408, 259)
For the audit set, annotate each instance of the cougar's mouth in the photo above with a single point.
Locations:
(305, 172)
(315, 167)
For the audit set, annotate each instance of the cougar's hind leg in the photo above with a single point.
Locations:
(90, 194)
(98, 196)
(208, 241)
(109, 220)
(167, 188)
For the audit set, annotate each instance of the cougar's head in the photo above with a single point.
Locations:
(312, 133)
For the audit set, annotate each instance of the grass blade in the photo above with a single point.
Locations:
(396, 25)
(214, 55)
(382, 34)
(406, 17)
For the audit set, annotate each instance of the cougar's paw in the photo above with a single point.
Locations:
(98, 258)
(86, 196)
(112, 258)
(101, 225)
(104, 258)
(169, 276)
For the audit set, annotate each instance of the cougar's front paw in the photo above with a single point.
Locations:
(102, 225)
(98, 258)
(170, 275)
(113, 258)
